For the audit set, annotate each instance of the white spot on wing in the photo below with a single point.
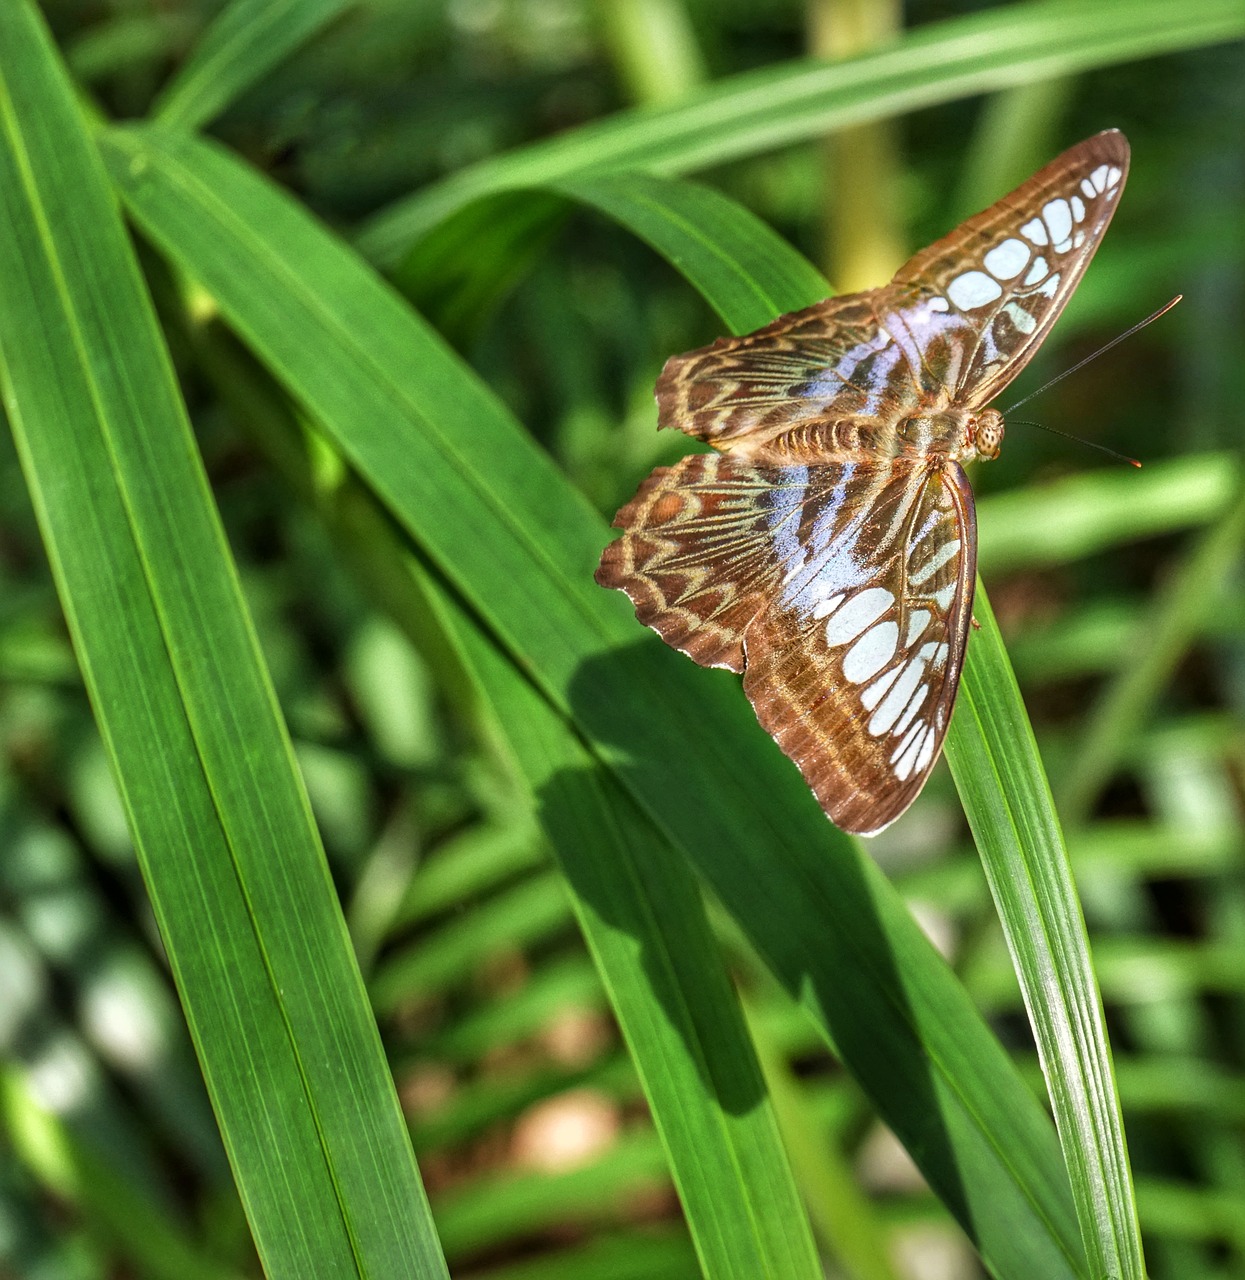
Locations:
(1058, 218)
(1078, 207)
(947, 551)
(1037, 271)
(1020, 317)
(939, 304)
(824, 607)
(863, 609)
(1007, 259)
(1035, 231)
(1088, 188)
(871, 652)
(1113, 176)
(906, 741)
(904, 758)
(944, 597)
(1099, 178)
(885, 716)
(918, 699)
(873, 694)
(917, 622)
(973, 289)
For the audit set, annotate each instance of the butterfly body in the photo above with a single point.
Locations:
(827, 549)
(955, 434)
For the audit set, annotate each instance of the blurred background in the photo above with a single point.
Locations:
(1120, 593)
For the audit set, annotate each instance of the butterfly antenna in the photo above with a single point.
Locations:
(1080, 364)
(1102, 448)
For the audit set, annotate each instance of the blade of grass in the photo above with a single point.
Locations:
(502, 523)
(245, 41)
(220, 821)
(1072, 518)
(1004, 47)
(998, 772)
(689, 225)
(842, 1212)
(640, 910)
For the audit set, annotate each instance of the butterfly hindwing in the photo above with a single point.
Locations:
(842, 591)
(699, 558)
(853, 667)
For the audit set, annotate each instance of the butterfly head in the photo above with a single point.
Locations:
(959, 432)
(985, 431)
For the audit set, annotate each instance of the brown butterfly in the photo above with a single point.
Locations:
(828, 551)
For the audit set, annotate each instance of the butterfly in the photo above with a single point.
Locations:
(827, 550)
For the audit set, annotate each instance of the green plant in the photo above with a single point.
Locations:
(405, 485)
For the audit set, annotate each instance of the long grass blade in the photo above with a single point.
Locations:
(998, 49)
(219, 817)
(245, 41)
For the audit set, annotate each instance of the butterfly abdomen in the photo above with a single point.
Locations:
(840, 440)
(956, 433)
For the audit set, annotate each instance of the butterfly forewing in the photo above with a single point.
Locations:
(829, 552)
(830, 360)
(1008, 272)
(956, 324)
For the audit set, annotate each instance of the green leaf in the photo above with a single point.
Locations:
(758, 277)
(1006, 46)
(1075, 517)
(641, 913)
(520, 544)
(999, 775)
(246, 40)
(639, 908)
(219, 817)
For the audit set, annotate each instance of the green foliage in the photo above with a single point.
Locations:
(351, 613)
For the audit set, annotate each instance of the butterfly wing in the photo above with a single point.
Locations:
(854, 666)
(842, 591)
(702, 553)
(830, 360)
(956, 325)
(971, 310)
(843, 588)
